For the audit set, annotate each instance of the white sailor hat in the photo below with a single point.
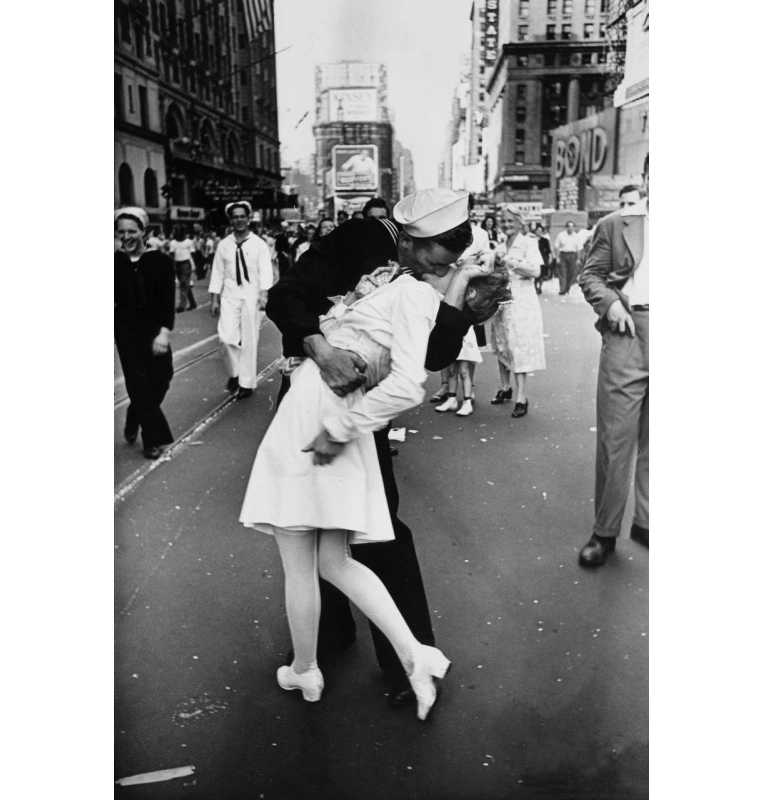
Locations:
(238, 204)
(432, 211)
(132, 211)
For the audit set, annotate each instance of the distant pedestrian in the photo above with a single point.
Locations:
(545, 248)
(144, 303)
(517, 330)
(197, 255)
(615, 281)
(342, 216)
(489, 226)
(566, 250)
(181, 250)
(376, 207)
(241, 276)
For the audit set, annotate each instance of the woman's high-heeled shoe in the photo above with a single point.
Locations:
(311, 682)
(430, 666)
(520, 409)
(440, 395)
(501, 396)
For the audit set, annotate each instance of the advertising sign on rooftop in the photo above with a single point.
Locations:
(353, 105)
(356, 168)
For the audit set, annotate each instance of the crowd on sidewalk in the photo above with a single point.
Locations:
(365, 309)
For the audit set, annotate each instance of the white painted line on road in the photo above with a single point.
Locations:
(127, 485)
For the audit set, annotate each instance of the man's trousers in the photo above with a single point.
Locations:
(567, 270)
(623, 426)
(147, 379)
(396, 565)
(239, 332)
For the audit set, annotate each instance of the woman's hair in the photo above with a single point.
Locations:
(491, 290)
(317, 234)
(492, 217)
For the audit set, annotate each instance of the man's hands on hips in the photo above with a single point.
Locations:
(619, 319)
(342, 370)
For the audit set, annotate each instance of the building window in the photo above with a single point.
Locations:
(604, 6)
(150, 191)
(138, 42)
(551, 32)
(564, 59)
(124, 23)
(162, 18)
(522, 61)
(589, 59)
(589, 6)
(522, 33)
(602, 57)
(588, 30)
(130, 106)
(523, 8)
(126, 189)
(520, 136)
(551, 7)
(143, 106)
(245, 113)
(119, 98)
(550, 60)
(519, 156)
(566, 30)
(243, 41)
(522, 93)
(567, 7)
(603, 33)
(520, 114)
(243, 77)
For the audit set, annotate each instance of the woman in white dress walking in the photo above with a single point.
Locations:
(316, 484)
(517, 331)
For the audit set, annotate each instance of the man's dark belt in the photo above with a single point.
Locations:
(645, 307)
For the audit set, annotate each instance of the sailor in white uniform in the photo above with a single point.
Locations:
(242, 273)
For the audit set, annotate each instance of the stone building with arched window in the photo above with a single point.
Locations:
(195, 109)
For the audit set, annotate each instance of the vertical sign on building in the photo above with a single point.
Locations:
(489, 34)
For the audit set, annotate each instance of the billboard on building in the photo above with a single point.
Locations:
(489, 33)
(356, 168)
(353, 105)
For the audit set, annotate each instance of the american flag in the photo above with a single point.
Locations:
(259, 16)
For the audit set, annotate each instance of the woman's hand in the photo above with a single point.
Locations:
(324, 449)
(161, 343)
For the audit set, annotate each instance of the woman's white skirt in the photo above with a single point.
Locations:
(287, 491)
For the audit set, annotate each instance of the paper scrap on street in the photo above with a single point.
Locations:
(156, 777)
(437, 437)
(397, 435)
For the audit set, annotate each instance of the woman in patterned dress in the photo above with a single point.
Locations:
(517, 331)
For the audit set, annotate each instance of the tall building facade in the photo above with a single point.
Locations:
(550, 69)
(352, 112)
(195, 107)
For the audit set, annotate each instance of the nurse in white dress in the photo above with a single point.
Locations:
(517, 331)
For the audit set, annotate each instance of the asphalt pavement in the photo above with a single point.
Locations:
(548, 693)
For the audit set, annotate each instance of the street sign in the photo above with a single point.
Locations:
(356, 168)
(186, 214)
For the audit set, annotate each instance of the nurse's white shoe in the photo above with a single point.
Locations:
(466, 408)
(311, 683)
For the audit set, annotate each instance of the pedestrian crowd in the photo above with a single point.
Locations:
(365, 309)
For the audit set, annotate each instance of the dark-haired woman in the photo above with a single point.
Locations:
(144, 314)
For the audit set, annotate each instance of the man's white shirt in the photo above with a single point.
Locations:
(637, 287)
(257, 257)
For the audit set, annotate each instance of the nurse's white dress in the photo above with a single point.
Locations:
(389, 329)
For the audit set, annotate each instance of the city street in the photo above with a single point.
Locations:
(547, 697)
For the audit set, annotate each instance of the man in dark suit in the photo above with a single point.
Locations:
(615, 281)
(433, 233)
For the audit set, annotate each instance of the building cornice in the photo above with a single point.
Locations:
(140, 132)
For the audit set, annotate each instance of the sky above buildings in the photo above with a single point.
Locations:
(419, 41)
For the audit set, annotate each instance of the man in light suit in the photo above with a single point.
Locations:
(615, 281)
